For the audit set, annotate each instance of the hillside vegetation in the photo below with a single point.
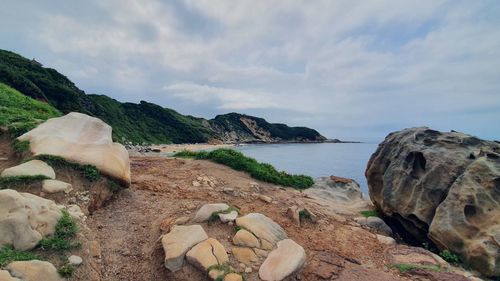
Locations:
(144, 122)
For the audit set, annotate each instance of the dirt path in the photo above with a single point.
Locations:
(128, 229)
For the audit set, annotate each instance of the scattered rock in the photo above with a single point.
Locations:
(206, 211)
(231, 216)
(246, 239)
(295, 212)
(25, 218)
(255, 186)
(386, 240)
(375, 223)
(95, 249)
(442, 185)
(215, 273)
(284, 261)
(33, 270)
(75, 211)
(75, 260)
(233, 277)
(261, 253)
(30, 168)
(264, 228)
(55, 186)
(207, 253)
(181, 220)
(178, 241)
(248, 270)
(244, 255)
(265, 198)
(83, 139)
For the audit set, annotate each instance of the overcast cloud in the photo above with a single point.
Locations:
(350, 69)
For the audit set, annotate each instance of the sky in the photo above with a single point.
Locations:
(354, 70)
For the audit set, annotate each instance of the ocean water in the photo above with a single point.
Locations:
(316, 159)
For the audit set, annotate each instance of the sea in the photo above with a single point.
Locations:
(347, 160)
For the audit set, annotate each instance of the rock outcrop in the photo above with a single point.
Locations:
(178, 242)
(25, 218)
(33, 270)
(83, 139)
(445, 186)
(282, 262)
(30, 168)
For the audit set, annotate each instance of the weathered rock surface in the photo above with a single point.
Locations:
(233, 277)
(386, 240)
(264, 228)
(375, 223)
(207, 253)
(231, 216)
(55, 186)
(30, 168)
(5, 276)
(402, 254)
(25, 218)
(83, 139)
(246, 239)
(244, 255)
(445, 186)
(284, 261)
(34, 270)
(207, 210)
(178, 241)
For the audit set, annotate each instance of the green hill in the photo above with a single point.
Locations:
(143, 122)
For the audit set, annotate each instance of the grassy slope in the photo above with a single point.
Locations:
(21, 113)
(261, 171)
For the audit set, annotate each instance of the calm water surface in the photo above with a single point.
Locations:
(316, 160)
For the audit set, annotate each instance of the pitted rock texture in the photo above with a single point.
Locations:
(83, 139)
(30, 168)
(178, 241)
(442, 185)
(25, 218)
(264, 228)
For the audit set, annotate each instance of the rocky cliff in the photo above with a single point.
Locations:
(442, 186)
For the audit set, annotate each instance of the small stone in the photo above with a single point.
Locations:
(215, 273)
(229, 217)
(206, 211)
(233, 277)
(261, 253)
(75, 211)
(265, 198)
(181, 220)
(95, 249)
(75, 260)
(55, 186)
(248, 270)
(246, 239)
(196, 184)
(386, 240)
(244, 255)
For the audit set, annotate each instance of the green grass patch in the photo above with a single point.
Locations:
(261, 171)
(370, 213)
(10, 182)
(405, 267)
(66, 270)
(21, 146)
(21, 113)
(8, 255)
(90, 172)
(63, 237)
(450, 257)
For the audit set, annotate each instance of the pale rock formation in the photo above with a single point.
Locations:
(246, 239)
(231, 216)
(207, 210)
(25, 218)
(30, 168)
(83, 139)
(178, 242)
(284, 261)
(55, 186)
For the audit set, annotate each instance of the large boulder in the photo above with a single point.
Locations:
(442, 186)
(25, 218)
(178, 242)
(83, 139)
(284, 261)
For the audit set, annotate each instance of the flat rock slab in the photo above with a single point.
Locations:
(282, 262)
(82, 139)
(264, 228)
(55, 186)
(178, 242)
(207, 253)
(206, 211)
(33, 270)
(413, 255)
(25, 218)
(244, 255)
(246, 239)
(30, 168)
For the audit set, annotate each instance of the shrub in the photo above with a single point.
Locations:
(450, 257)
(261, 171)
(65, 232)
(8, 255)
(66, 270)
(370, 213)
(405, 267)
(21, 146)
(91, 173)
(9, 182)
(304, 214)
